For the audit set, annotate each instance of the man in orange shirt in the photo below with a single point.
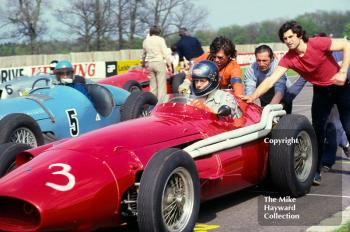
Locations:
(223, 53)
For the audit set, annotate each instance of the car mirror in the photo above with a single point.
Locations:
(224, 110)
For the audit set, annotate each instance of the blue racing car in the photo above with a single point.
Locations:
(55, 112)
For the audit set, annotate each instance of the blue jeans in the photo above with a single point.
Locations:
(330, 145)
(335, 136)
(322, 102)
(287, 105)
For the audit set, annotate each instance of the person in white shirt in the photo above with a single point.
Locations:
(154, 47)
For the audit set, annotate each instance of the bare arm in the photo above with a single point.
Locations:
(276, 98)
(341, 45)
(267, 84)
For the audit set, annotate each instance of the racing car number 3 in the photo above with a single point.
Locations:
(64, 172)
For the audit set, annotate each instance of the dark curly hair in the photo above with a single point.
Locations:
(295, 27)
(224, 44)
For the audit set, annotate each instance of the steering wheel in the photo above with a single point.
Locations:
(48, 80)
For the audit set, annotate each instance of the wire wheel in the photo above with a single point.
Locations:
(303, 156)
(177, 200)
(23, 135)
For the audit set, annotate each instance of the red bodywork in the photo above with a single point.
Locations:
(95, 171)
(140, 75)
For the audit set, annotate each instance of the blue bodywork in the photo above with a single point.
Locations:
(64, 111)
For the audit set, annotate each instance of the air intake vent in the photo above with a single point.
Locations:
(15, 213)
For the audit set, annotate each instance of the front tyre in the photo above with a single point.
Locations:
(8, 152)
(293, 165)
(20, 128)
(169, 195)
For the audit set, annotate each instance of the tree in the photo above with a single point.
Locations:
(332, 22)
(346, 32)
(79, 17)
(22, 20)
(88, 20)
(268, 31)
(308, 22)
(102, 23)
(235, 33)
(127, 22)
(134, 5)
(121, 10)
(205, 36)
(251, 32)
(189, 16)
(170, 15)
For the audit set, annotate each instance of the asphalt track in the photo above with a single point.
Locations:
(248, 210)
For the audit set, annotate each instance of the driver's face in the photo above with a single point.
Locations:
(201, 83)
(62, 75)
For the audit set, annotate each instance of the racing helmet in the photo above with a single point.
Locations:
(64, 71)
(205, 69)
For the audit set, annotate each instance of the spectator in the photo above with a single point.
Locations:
(155, 49)
(205, 84)
(223, 53)
(312, 59)
(188, 46)
(264, 65)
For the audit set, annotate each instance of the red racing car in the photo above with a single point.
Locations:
(157, 169)
(137, 79)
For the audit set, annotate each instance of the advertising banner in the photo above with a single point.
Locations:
(124, 65)
(86, 69)
(102, 69)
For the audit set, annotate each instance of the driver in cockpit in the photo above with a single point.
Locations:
(205, 84)
(65, 75)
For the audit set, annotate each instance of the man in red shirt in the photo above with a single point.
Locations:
(312, 59)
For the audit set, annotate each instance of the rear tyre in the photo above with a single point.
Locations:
(293, 165)
(169, 195)
(20, 128)
(138, 104)
(8, 152)
(132, 86)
